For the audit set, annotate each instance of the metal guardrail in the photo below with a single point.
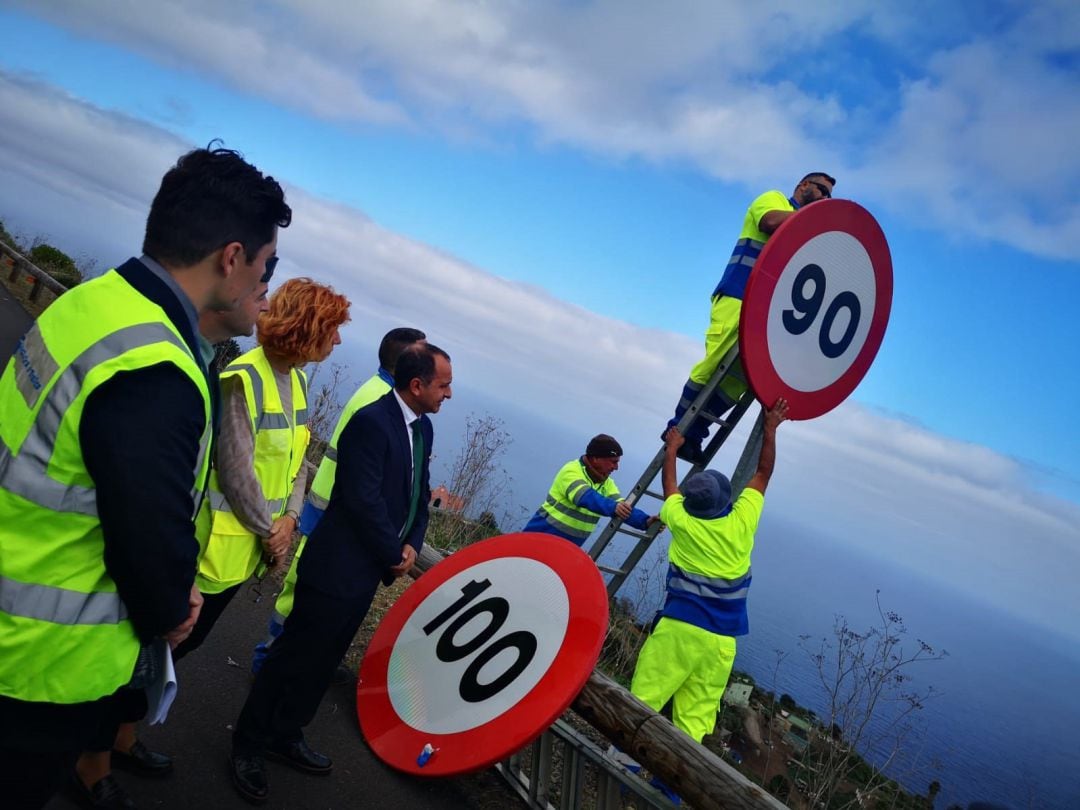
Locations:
(21, 264)
(586, 776)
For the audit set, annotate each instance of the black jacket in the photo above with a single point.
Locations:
(357, 537)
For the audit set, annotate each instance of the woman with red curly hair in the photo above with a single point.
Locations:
(259, 477)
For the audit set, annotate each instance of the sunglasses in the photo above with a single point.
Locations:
(822, 188)
(271, 263)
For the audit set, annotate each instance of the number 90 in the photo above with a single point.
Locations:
(808, 305)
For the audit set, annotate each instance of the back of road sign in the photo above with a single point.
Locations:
(481, 654)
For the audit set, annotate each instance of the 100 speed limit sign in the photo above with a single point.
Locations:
(816, 307)
(481, 654)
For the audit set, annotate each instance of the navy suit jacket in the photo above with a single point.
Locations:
(357, 538)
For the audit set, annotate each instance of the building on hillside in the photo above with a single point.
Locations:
(442, 498)
(798, 733)
(738, 694)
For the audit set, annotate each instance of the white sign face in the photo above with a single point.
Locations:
(477, 645)
(821, 310)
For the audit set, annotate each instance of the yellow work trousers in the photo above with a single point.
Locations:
(688, 664)
(722, 334)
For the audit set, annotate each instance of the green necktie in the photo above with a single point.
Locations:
(417, 469)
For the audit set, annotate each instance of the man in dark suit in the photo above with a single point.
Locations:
(371, 531)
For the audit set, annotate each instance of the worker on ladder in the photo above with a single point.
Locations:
(582, 491)
(763, 217)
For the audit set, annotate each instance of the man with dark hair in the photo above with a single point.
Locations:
(212, 197)
(85, 589)
(393, 344)
(126, 750)
(765, 214)
(582, 491)
(371, 531)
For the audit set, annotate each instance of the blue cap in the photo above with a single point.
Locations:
(707, 495)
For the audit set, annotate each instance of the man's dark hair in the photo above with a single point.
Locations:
(212, 197)
(417, 361)
(822, 175)
(394, 343)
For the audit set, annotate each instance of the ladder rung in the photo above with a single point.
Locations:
(659, 496)
(607, 569)
(716, 420)
(633, 533)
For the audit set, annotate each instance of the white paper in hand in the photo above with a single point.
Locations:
(161, 693)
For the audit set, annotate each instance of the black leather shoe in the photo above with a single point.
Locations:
(142, 760)
(300, 755)
(249, 776)
(105, 794)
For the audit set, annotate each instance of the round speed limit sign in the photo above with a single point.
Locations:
(816, 307)
(481, 654)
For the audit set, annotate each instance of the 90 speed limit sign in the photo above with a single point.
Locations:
(481, 654)
(816, 307)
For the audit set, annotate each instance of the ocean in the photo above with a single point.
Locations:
(1004, 725)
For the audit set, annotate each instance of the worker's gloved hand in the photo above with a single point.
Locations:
(623, 510)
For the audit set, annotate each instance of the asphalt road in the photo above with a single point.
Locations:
(197, 734)
(13, 322)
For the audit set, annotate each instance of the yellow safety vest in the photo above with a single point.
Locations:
(560, 509)
(65, 635)
(232, 552)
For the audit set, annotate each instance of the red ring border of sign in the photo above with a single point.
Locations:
(811, 221)
(399, 745)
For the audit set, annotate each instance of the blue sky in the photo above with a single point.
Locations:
(565, 181)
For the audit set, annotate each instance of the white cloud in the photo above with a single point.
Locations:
(973, 136)
(949, 510)
(986, 143)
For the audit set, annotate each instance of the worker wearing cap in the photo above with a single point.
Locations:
(583, 491)
(691, 650)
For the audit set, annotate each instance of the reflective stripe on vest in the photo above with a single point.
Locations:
(231, 551)
(711, 603)
(60, 605)
(560, 508)
(737, 272)
(26, 474)
(219, 503)
(65, 634)
(718, 588)
(580, 515)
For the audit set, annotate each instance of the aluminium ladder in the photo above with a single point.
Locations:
(641, 488)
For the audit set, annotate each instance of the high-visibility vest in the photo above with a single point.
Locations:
(560, 509)
(232, 552)
(378, 386)
(751, 240)
(709, 573)
(65, 635)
